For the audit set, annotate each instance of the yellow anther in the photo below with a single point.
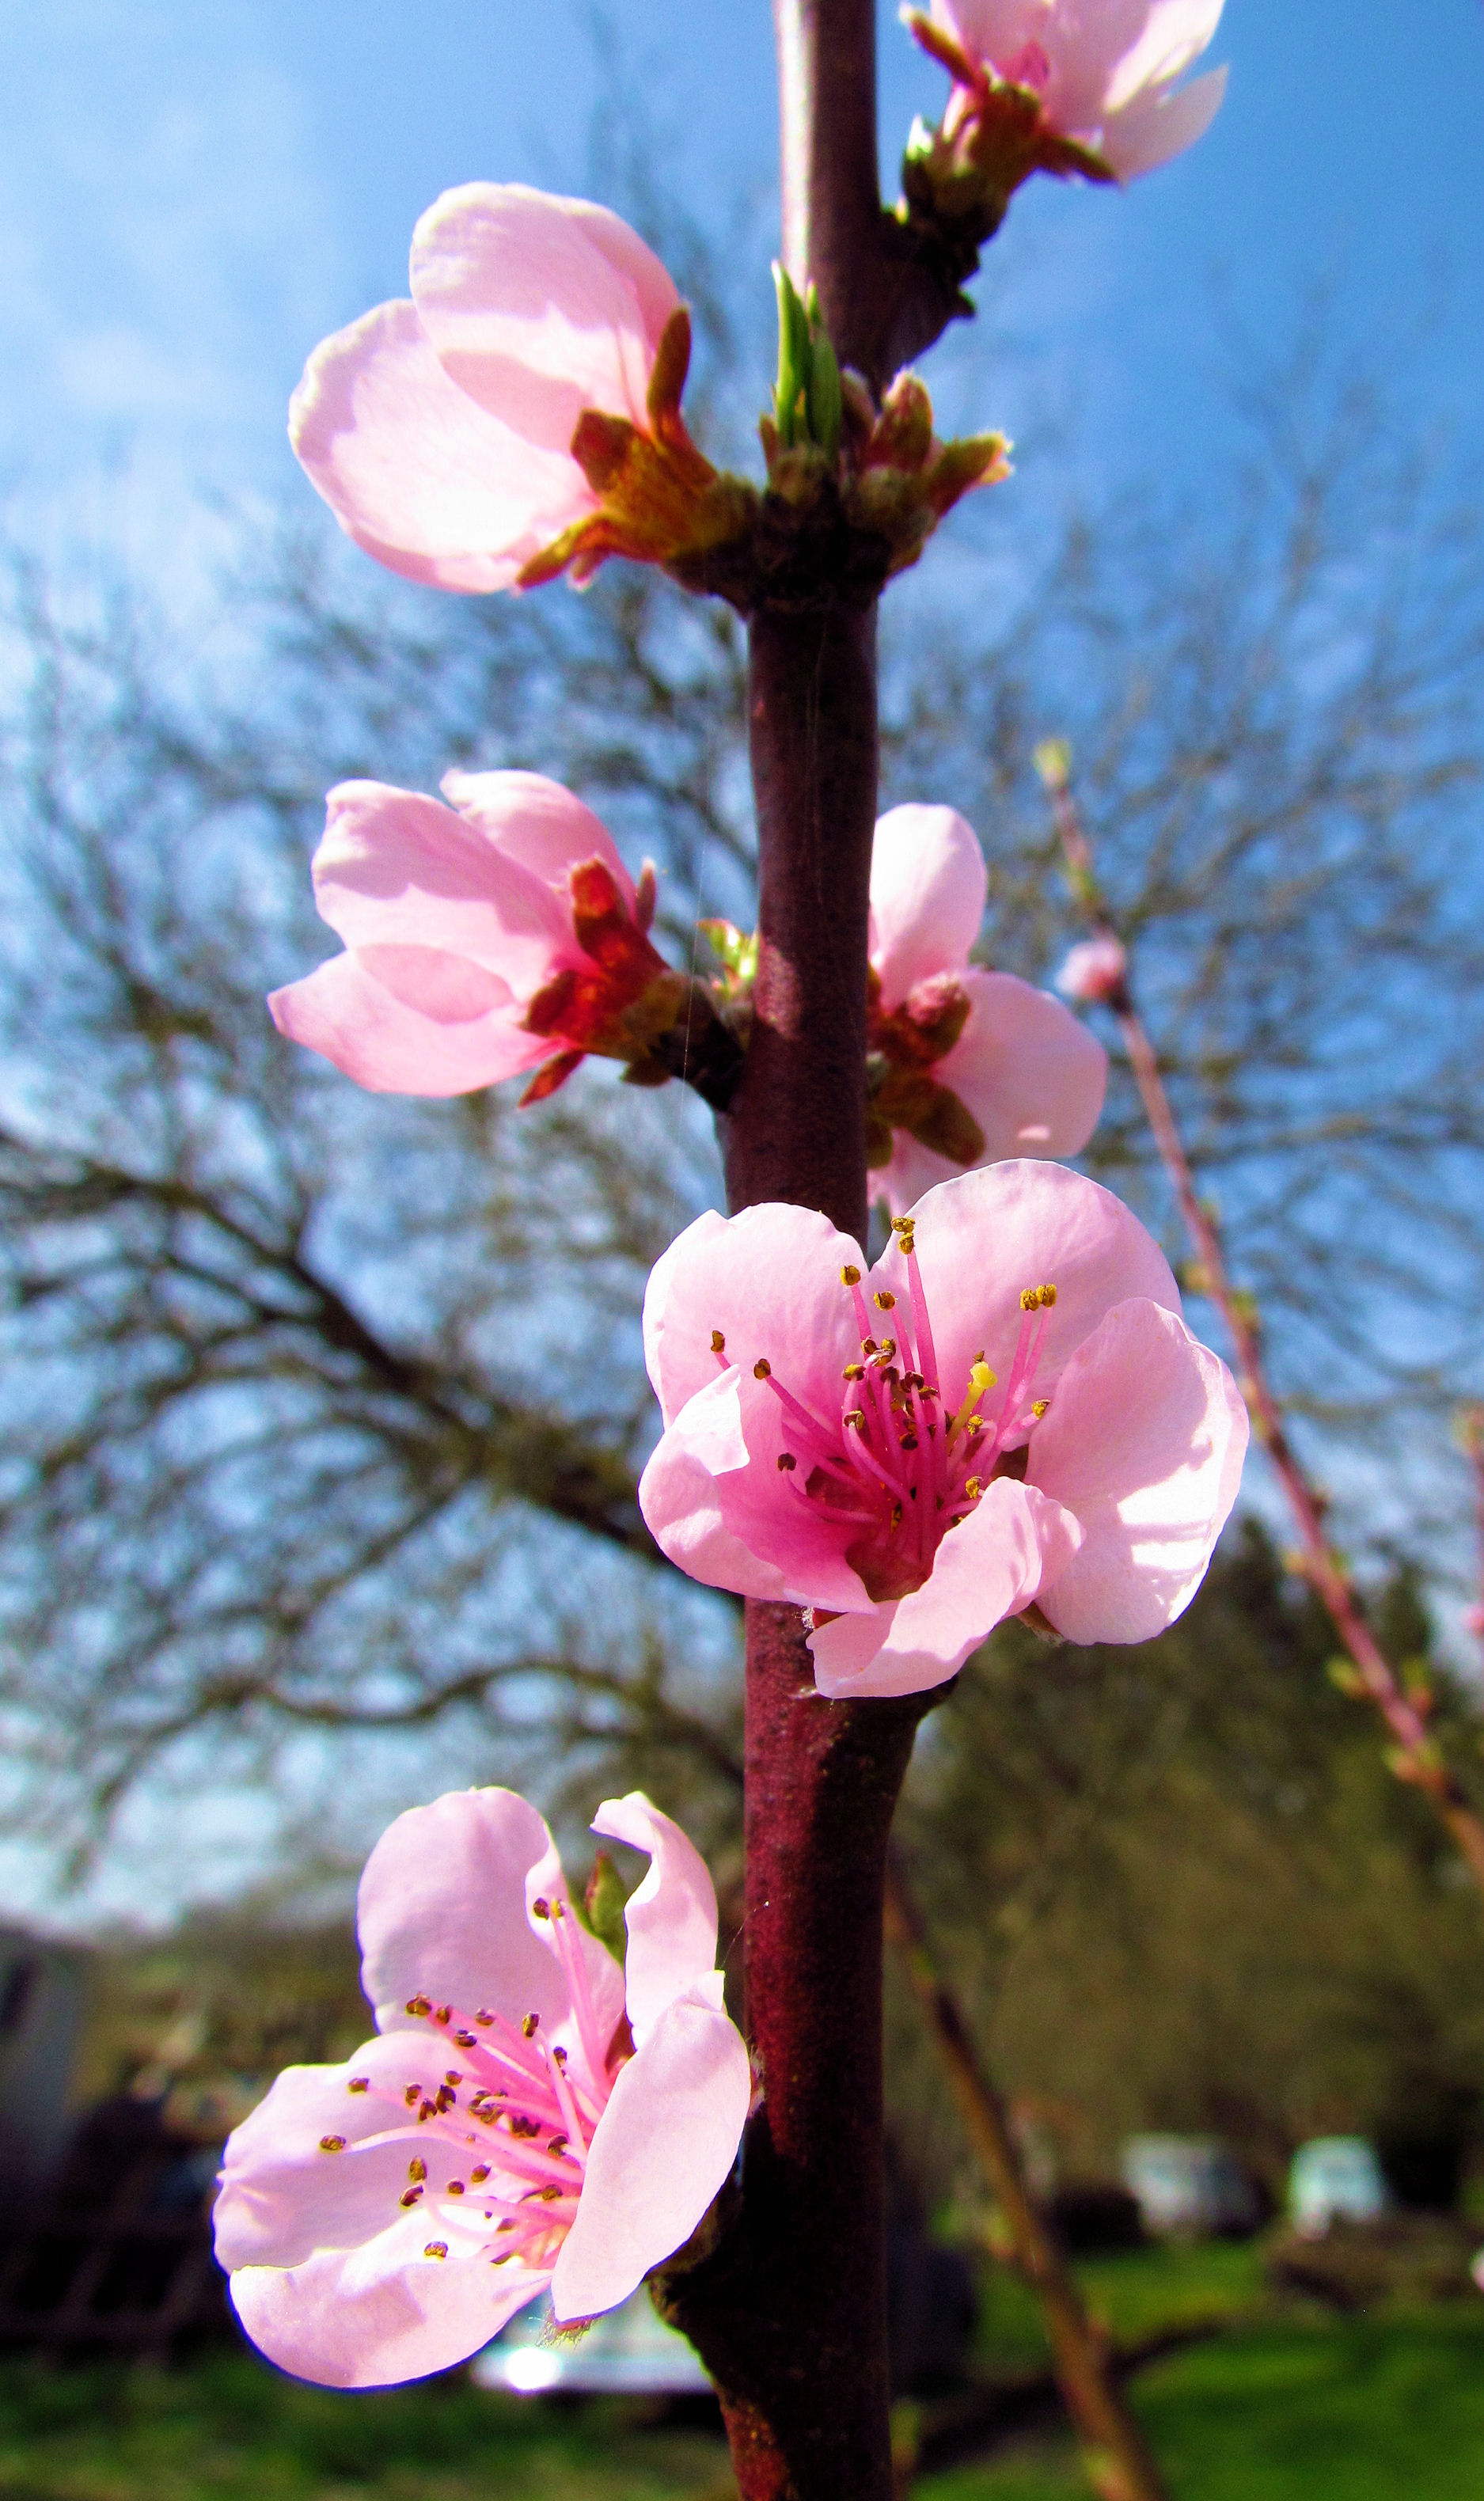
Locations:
(419, 2004)
(332, 2145)
(885, 1353)
(868, 1346)
(541, 1908)
(897, 1514)
(903, 1223)
(409, 2196)
(855, 1416)
(454, 2188)
(529, 2025)
(1031, 1299)
(1048, 1297)
(761, 1369)
(1039, 1408)
(436, 2249)
(973, 1488)
(718, 1343)
(849, 1276)
(980, 1379)
(885, 1300)
(855, 1372)
(480, 2172)
(358, 2084)
(787, 1463)
(417, 2168)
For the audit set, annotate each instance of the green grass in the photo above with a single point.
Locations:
(1379, 2408)
(1284, 2406)
(227, 2428)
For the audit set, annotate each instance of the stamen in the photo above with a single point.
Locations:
(980, 1379)
(332, 2145)
(718, 1343)
(786, 1462)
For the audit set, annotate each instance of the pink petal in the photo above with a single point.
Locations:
(369, 2319)
(991, 30)
(395, 868)
(352, 1018)
(770, 1280)
(1175, 34)
(1084, 46)
(530, 313)
(929, 884)
(1027, 1069)
(719, 1507)
(414, 471)
(1011, 1546)
(1156, 126)
(283, 2197)
(986, 1236)
(538, 824)
(670, 1919)
(441, 1911)
(1144, 1440)
(662, 2149)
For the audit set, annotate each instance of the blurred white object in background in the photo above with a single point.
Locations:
(1336, 2179)
(1191, 2185)
(629, 2351)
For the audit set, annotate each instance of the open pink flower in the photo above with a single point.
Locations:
(498, 935)
(521, 412)
(966, 1066)
(1095, 971)
(1007, 1407)
(1104, 74)
(532, 2113)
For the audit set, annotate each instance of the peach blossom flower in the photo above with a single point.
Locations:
(521, 412)
(1007, 1409)
(1095, 971)
(485, 939)
(967, 1066)
(531, 2113)
(1057, 86)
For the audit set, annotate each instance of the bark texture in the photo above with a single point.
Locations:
(789, 2309)
(888, 291)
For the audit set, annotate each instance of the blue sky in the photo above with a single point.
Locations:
(193, 191)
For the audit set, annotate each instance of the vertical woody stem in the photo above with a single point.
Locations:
(790, 2312)
(1415, 1757)
(1120, 2464)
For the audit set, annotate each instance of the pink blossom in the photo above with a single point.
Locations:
(495, 935)
(1007, 1409)
(1094, 971)
(968, 1066)
(532, 2113)
(1106, 72)
(1474, 1620)
(521, 408)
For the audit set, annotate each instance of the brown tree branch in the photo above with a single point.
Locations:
(887, 291)
(1119, 2461)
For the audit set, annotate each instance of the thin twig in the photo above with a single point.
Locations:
(1119, 2462)
(1413, 1753)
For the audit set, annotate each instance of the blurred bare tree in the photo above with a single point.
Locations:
(325, 1409)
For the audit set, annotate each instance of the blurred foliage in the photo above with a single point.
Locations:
(1174, 1884)
(1177, 1888)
